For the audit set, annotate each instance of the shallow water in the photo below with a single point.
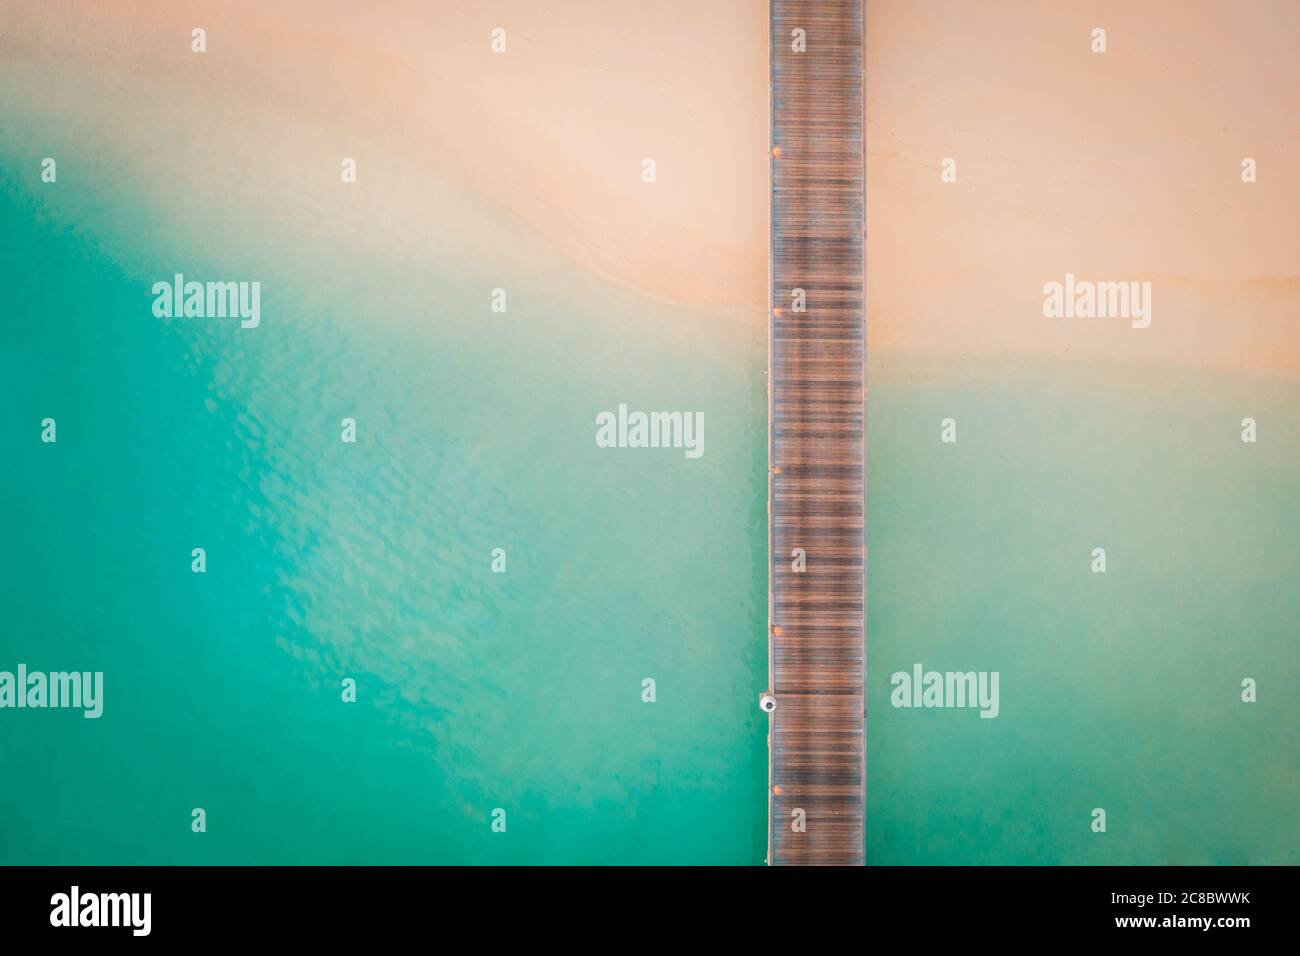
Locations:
(371, 560)
(1121, 690)
(523, 690)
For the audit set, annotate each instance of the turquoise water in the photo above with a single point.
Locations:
(327, 560)
(1121, 690)
(523, 690)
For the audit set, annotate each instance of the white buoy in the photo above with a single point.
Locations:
(767, 702)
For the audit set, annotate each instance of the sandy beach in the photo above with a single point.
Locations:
(553, 131)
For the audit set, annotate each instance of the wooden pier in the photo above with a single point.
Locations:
(816, 440)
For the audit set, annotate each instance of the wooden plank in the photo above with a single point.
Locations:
(816, 439)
